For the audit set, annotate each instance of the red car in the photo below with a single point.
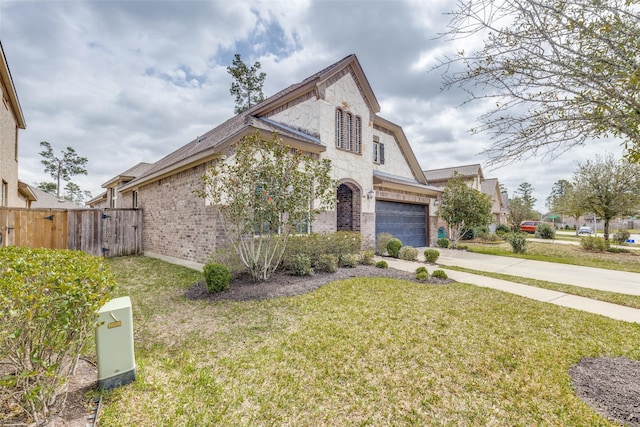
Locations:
(530, 226)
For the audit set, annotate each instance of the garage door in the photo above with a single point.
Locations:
(405, 221)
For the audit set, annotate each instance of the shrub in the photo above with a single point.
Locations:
(431, 255)
(382, 264)
(618, 250)
(349, 260)
(545, 231)
(393, 247)
(421, 269)
(422, 276)
(382, 239)
(408, 253)
(502, 229)
(366, 258)
(48, 305)
(226, 255)
(216, 277)
(469, 234)
(439, 274)
(621, 236)
(592, 243)
(443, 242)
(327, 263)
(315, 245)
(518, 242)
(301, 265)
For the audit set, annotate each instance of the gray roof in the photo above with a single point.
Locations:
(445, 174)
(488, 186)
(46, 200)
(240, 122)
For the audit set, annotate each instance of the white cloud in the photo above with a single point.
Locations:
(131, 81)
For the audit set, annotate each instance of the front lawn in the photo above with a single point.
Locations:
(355, 352)
(564, 254)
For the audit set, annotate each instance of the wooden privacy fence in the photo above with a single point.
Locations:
(103, 232)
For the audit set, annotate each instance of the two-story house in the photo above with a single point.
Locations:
(332, 114)
(473, 175)
(13, 193)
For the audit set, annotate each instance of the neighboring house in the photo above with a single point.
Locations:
(473, 175)
(332, 114)
(112, 197)
(13, 193)
(49, 201)
(491, 188)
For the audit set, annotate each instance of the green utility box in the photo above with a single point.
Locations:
(114, 344)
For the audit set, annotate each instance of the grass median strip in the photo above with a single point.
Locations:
(632, 301)
(355, 352)
(563, 254)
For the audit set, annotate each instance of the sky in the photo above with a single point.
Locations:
(124, 82)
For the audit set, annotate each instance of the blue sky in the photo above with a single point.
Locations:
(130, 81)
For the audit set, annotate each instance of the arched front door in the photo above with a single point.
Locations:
(348, 208)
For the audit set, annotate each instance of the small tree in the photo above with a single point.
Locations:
(518, 212)
(609, 188)
(263, 194)
(62, 168)
(247, 84)
(463, 208)
(569, 204)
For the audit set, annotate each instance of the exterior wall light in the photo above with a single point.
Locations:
(371, 194)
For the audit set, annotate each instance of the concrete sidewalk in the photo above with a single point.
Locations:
(487, 263)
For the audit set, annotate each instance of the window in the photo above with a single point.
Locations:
(113, 197)
(16, 144)
(135, 199)
(348, 131)
(339, 128)
(378, 151)
(4, 195)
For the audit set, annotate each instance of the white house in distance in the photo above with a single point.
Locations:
(332, 114)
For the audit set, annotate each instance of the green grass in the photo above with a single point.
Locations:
(632, 301)
(355, 352)
(564, 254)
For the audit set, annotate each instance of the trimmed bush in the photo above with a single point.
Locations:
(621, 236)
(423, 276)
(216, 277)
(48, 309)
(226, 255)
(502, 229)
(408, 253)
(421, 269)
(439, 274)
(366, 258)
(443, 242)
(618, 250)
(301, 265)
(518, 242)
(314, 245)
(393, 247)
(469, 234)
(327, 263)
(545, 231)
(592, 243)
(431, 255)
(349, 260)
(382, 264)
(382, 239)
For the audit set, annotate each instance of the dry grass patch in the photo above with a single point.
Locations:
(356, 352)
